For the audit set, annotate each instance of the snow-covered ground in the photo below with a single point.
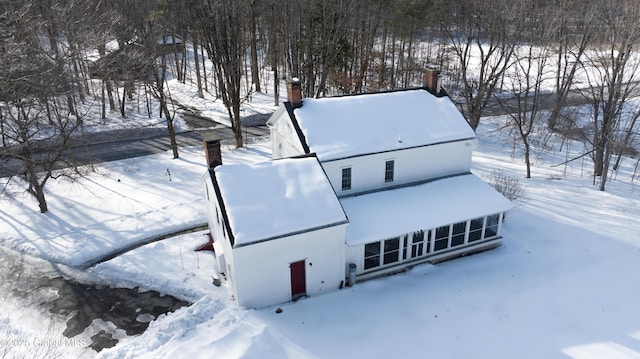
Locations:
(564, 284)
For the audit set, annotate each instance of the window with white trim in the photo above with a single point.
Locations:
(391, 250)
(371, 255)
(475, 229)
(457, 234)
(388, 170)
(417, 244)
(405, 244)
(346, 178)
(382, 252)
(441, 239)
(491, 228)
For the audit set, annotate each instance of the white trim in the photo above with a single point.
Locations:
(435, 258)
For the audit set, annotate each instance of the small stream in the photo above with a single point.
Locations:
(35, 285)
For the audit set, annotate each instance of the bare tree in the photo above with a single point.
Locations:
(525, 79)
(625, 144)
(142, 57)
(222, 27)
(573, 21)
(253, 36)
(157, 86)
(612, 67)
(37, 123)
(363, 34)
(481, 40)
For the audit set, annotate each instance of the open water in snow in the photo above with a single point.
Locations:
(101, 312)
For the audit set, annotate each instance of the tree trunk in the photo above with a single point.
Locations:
(179, 74)
(383, 60)
(104, 100)
(276, 80)
(204, 71)
(122, 104)
(36, 189)
(605, 169)
(238, 126)
(42, 200)
(527, 155)
(194, 41)
(255, 75)
(598, 160)
(170, 129)
(112, 103)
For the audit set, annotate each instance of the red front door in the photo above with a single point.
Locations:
(298, 279)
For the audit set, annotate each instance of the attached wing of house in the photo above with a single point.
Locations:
(275, 199)
(278, 229)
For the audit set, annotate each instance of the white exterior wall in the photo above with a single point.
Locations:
(284, 139)
(410, 165)
(262, 274)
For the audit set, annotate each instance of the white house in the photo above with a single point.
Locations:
(278, 229)
(359, 186)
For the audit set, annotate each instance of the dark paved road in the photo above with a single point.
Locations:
(117, 150)
(117, 145)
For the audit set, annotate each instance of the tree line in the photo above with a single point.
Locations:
(58, 55)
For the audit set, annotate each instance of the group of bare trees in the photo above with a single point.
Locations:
(56, 56)
(38, 115)
(489, 51)
(509, 53)
(598, 41)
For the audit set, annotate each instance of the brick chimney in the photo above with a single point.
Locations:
(294, 92)
(212, 151)
(431, 77)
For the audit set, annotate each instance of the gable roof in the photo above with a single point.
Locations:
(273, 199)
(348, 126)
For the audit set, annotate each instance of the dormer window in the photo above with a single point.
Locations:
(388, 170)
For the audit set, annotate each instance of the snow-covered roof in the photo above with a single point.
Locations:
(390, 213)
(339, 127)
(277, 198)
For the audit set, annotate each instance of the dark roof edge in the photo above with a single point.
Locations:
(404, 185)
(223, 208)
(292, 233)
(400, 149)
(330, 185)
(303, 140)
(441, 93)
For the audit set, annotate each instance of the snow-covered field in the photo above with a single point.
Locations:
(564, 284)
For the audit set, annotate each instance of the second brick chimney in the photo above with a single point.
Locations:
(294, 92)
(212, 150)
(431, 79)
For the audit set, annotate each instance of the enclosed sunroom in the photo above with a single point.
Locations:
(429, 222)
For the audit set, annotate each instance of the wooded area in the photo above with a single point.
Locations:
(58, 54)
